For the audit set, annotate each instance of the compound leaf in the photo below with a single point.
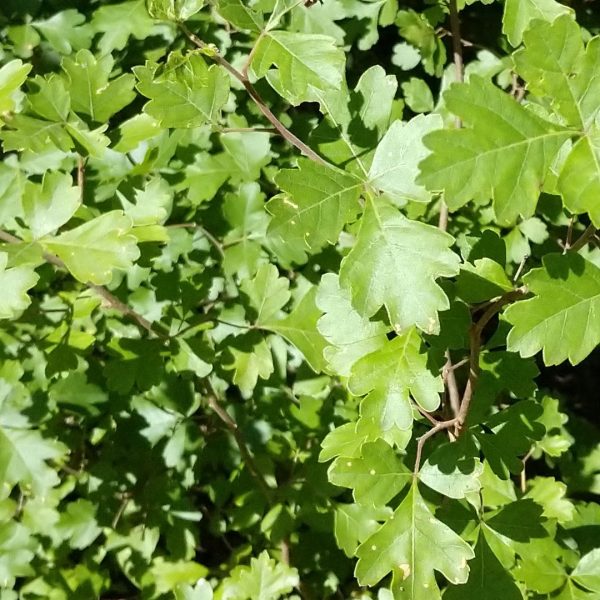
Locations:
(518, 15)
(316, 204)
(395, 263)
(92, 250)
(413, 544)
(503, 153)
(185, 92)
(349, 334)
(305, 62)
(562, 318)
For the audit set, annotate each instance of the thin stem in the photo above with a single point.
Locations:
(475, 334)
(232, 426)
(279, 126)
(110, 299)
(585, 237)
(449, 377)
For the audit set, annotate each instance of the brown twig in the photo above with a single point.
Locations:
(475, 336)
(583, 239)
(232, 426)
(110, 299)
(449, 377)
(277, 124)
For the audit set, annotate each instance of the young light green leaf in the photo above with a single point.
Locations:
(354, 523)
(201, 591)
(587, 571)
(12, 76)
(173, 10)
(300, 328)
(413, 544)
(66, 30)
(376, 92)
(394, 169)
(555, 64)
(305, 62)
(316, 204)
(118, 22)
(483, 280)
(51, 204)
(550, 494)
(395, 263)
(265, 579)
(519, 14)
(375, 477)
(251, 359)
(579, 180)
(351, 335)
(504, 152)
(91, 91)
(268, 293)
(563, 318)
(453, 469)
(14, 283)
(394, 373)
(23, 459)
(185, 92)
(417, 95)
(240, 15)
(92, 250)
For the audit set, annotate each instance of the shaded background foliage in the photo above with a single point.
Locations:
(124, 477)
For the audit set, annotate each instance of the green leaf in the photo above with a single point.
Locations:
(240, 15)
(504, 152)
(587, 571)
(392, 375)
(268, 293)
(74, 390)
(93, 250)
(17, 547)
(561, 318)
(15, 282)
(395, 263)
(579, 180)
(394, 169)
(50, 205)
(251, 359)
(316, 204)
(78, 524)
(354, 523)
(12, 76)
(556, 64)
(483, 280)
(453, 469)
(173, 10)
(91, 91)
(201, 591)
(23, 459)
(520, 521)
(66, 30)
(488, 578)
(305, 63)
(350, 335)
(265, 579)
(509, 434)
(519, 14)
(300, 328)
(413, 544)
(375, 477)
(417, 95)
(550, 494)
(184, 92)
(376, 92)
(542, 574)
(118, 22)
